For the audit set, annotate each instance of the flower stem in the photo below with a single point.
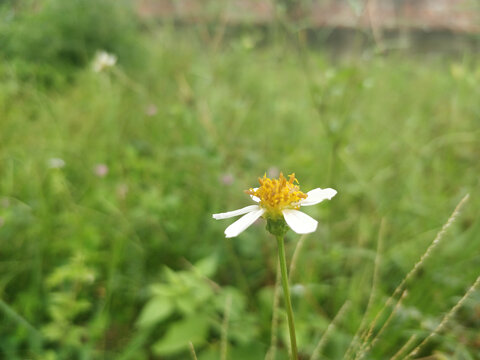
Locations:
(286, 293)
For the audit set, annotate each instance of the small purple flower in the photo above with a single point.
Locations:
(273, 172)
(227, 179)
(101, 170)
(151, 110)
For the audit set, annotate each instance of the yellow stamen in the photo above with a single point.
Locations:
(278, 194)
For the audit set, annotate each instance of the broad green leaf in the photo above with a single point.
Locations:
(156, 310)
(186, 304)
(162, 290)
(192, 329)
(172, 276)
(207, 267)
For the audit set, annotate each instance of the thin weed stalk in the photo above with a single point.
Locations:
(367, 347)
(323, 340)
(272, 351)
(20, 320)
(445, 319)
(296, 253)
(417, 266)
(373, 290)
(192, 351)
(226, 318)
(405, 347)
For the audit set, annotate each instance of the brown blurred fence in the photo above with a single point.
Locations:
(452, 15)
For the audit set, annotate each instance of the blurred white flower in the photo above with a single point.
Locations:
(122, 191)
(103, 60)
(90, 277)
(101, 170)
(56, 163)
(298, 289)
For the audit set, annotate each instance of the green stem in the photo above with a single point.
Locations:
(37, 337)
(286, 293)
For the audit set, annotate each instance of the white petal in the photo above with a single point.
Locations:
(317, 195)
(233, 213)
(255, 198)
(299, 222)
(244, 222)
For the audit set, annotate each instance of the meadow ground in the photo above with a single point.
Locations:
(109, 179)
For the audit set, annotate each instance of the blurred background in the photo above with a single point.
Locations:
(125, 124)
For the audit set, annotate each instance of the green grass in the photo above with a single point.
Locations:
(397, 136)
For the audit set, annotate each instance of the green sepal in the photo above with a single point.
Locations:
(277, 227)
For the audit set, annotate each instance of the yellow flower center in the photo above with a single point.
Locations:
(278, 194)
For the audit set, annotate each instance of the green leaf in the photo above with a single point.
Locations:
(156, 310)
(253, 350)
(162, 290)
(186, 305)
(207, 267)
(192, 329)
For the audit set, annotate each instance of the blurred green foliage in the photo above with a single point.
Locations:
(47, 41)
(199, 305)
(127, 263)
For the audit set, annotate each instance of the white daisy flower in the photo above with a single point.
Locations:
(103, 60)
(277, 199)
